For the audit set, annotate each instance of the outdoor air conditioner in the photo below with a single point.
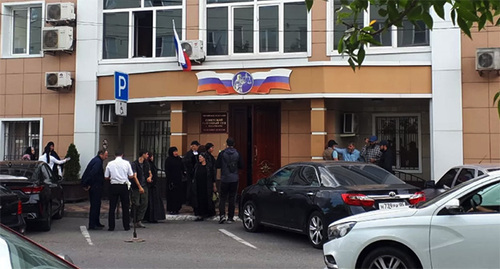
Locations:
(350, 123)
(58, 38)
(58, 80)
(108, 116)
(487, 59)
(60, 13)
(194, 49)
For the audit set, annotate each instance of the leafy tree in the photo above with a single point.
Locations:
(464, 13)
(72, 167)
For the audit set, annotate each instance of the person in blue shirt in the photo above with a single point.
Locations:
(349, 154)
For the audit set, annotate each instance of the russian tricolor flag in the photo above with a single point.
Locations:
(182, 57)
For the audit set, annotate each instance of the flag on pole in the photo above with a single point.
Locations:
(182, 57)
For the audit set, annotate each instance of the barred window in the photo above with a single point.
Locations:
(18, 135)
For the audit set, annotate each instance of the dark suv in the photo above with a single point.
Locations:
(36, 180)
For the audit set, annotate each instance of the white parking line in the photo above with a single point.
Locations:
(237, 238)
(86, 234)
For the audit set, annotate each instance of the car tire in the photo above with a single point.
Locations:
(46, 223)
(251, 221)
(60, 212)
(316, 230)
(384, 257)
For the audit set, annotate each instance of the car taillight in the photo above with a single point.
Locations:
(417, 197)
(357, 199)
(31, 190)
(19, 208)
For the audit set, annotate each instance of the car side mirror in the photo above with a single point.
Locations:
(430, 184)
(453, 207)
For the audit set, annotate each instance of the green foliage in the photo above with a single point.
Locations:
(72, 167)
(464, 13)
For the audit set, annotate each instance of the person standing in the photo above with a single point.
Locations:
(371, 151)
(119, 171)
(189, 160)
(349, 154)
(29, 154)
(329, 153)
(212, 163)
(229, 161)
(92, 181)
(155, 210)
(174, 171)
(387, 156)
(203, 187)
(53, 161)
(139, 196)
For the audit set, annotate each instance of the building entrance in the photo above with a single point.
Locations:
(257, 133)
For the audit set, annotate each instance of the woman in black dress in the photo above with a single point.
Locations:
(174, 171)
(155, 211)
(203, 187)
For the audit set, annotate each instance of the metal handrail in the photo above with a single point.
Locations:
(410, 178)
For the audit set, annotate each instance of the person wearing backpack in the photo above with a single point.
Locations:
(229, 162)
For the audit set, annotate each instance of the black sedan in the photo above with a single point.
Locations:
(305, 197)
(43, 188)
(11, 210)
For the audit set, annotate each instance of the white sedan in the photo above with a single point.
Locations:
(460, 228)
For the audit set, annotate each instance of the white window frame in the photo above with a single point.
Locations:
(2, 132)
(8, 31)
(131, 36)
(330, 28)
(419, 135)
(255, 54)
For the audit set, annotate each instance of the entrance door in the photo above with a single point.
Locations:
(256, 130)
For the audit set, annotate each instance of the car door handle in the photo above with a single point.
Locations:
(310, 194)
(281, 193)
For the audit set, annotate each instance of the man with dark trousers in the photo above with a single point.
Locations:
(229, 162)
(189, 160)
(139, 195)
(119, 171)
(92, 181)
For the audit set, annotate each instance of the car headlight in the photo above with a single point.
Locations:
(340, 230)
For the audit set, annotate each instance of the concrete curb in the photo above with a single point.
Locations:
(179, 217)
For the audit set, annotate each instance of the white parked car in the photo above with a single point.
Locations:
(460, 228)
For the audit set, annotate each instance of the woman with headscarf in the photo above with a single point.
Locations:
(155, 211)
(203, 186)
(29, 154)
(174, 171)
(51, 160)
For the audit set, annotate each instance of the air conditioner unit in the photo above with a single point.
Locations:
(60, 13)
(108, 116)
(58, 80)
(350, 123)
(58, 38)
(487, 59)
(194, 49)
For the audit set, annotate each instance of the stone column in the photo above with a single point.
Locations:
(178, 134)
(318, 128)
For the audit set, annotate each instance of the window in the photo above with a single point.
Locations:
(306, 177)
(447, 179)
(154, 136)
(140, 28)
(403, 135)
(22, 28)
(18, 135)
(409, 35)
(282, 177)
(251, 27)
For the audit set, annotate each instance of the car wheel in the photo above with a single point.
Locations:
(250, 218)
(46, 223)
(316, 231)
(389, 257)
(60, 212)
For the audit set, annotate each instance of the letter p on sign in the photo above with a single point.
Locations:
(121, 86)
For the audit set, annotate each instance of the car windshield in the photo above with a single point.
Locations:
(17, 252)
(21, 173)
(445, 193)
(351, 175)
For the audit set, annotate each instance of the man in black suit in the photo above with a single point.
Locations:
(189, 160)
(92, 181)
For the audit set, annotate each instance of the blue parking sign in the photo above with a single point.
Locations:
(121, 86)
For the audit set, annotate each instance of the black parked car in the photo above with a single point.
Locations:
(11, 210)
(41, 185)
(305, 197)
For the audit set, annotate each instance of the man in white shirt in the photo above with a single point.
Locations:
(119, 172)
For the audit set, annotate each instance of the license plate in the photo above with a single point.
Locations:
(385, 206)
